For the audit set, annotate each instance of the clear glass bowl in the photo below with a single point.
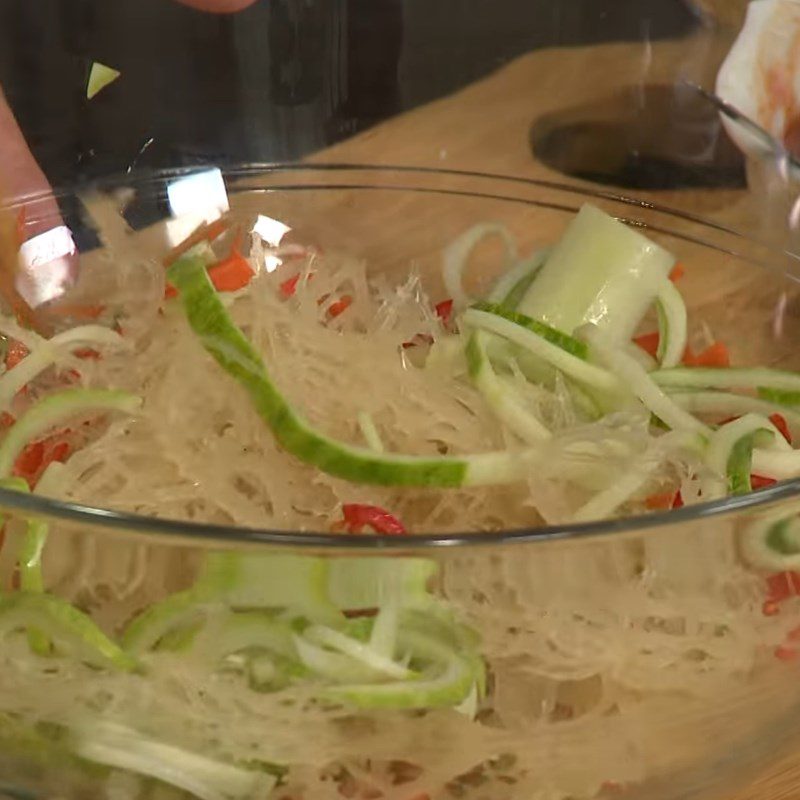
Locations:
(633, 655)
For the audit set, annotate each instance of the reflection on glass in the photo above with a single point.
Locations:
(194, 199)
(45, 265)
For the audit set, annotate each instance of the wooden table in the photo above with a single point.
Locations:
(486, 126)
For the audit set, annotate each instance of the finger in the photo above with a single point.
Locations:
(218, 6)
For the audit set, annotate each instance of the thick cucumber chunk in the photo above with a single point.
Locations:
(601, 272)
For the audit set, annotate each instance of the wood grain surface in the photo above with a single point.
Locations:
(486, 128)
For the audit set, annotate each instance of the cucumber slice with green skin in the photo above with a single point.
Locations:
(51, 352)
(576, 368)
(333, 667)
(297, 584)
(762, 378)
(57, 409)
(773, 542)
(63, 624)
(730, 450)
(779, 397)
(503, 401)
(361, 583)
(672, 325)
(181, 611)
(562, 340)
(728, 404)
(363, 653)
(601, 272)
(30, 554)
(446, 683)
(233, 352)
(629, 373)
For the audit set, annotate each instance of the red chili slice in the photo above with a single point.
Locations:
(780, 423)
(444, 310)
(358, 516)
(760, 482)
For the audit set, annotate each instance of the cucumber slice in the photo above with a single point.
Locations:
(672, 325)
(728, 404)
(629, 373)
(763, 378)
(297, 584)
(50, 353)
(456, 257)
(178, 612)
(235, 631)
(730, 449)
(500, 398)
(362, 653)
(361, 583)
(447, 682)
(773, 542)
(333, 667)
(62, 623)
(572, 366)
(566, 342)
(120, 747)
(601, 272)
(56, 409)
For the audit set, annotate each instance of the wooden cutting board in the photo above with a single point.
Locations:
(486, 128)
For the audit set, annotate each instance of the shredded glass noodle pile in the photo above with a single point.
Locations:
(600, 658)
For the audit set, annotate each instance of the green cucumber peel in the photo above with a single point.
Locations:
(781, 397)
(576, 368)
(730, 450)
(774, 381)
(558, 338)
(178, 612)
(229, 347)
(772, 541)
(66, 626)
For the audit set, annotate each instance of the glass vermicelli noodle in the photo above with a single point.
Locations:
(322, 396)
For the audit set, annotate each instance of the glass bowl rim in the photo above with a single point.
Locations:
(208, 533)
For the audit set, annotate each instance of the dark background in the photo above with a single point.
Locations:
(276, 81)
